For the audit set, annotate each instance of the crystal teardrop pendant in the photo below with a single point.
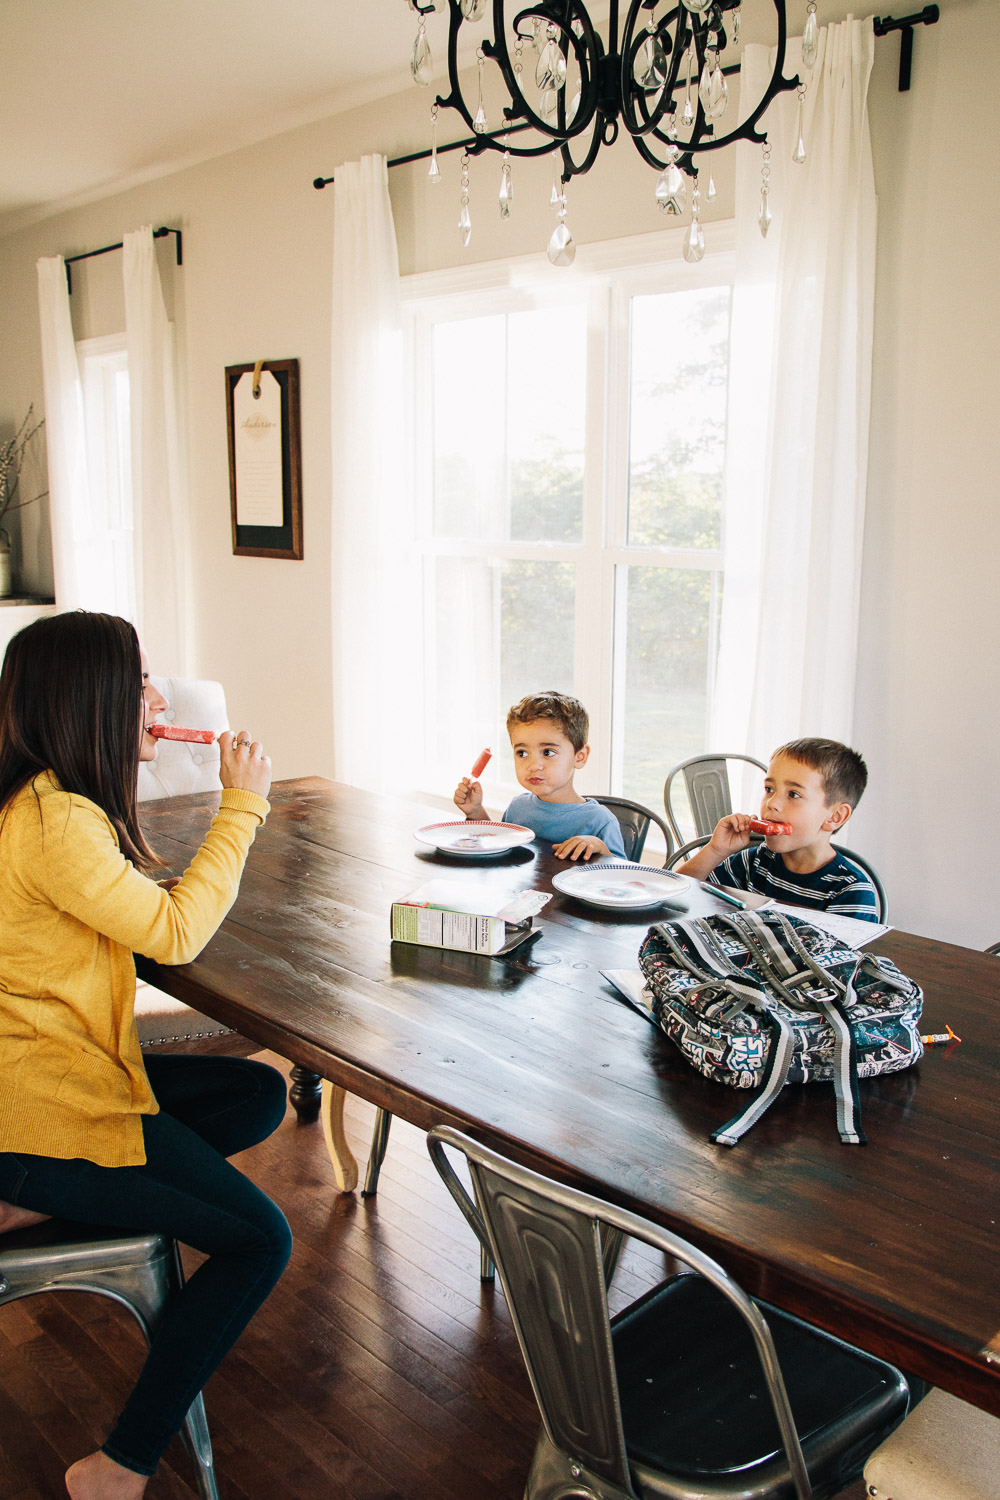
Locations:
(434, 171)
(810, 39)
(711, 187)
(548, 106)
(421, 65)
(479, 123)
(473, 10)
(465, 224)
(687, 115)
(713, 90)
(799, 154)
(550, 70)
(671, 190)
(506, 196)
(764, 216)
(694, 242)
(698, 6)
(650, 67)
(562, 246)
(737, 16)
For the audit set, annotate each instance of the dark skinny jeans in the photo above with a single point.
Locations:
(210, 1108)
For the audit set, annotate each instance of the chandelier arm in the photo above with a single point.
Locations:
(570, 167)
(519, 108)
(631, 95)
(667, 104)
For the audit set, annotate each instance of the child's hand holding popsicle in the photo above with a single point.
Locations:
(469, 794)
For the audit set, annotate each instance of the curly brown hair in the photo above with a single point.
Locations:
(567, 713)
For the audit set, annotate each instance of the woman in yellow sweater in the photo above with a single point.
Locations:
(88, 1130)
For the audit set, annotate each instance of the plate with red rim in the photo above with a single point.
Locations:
(622, 886)
(474, 838)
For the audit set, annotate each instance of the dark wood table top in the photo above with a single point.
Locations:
(892, 1245)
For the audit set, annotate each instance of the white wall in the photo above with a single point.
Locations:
(255, 284)
(927, 713)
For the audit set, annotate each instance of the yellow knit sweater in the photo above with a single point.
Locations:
(72, 912)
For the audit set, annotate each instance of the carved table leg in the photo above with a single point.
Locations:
(305, 1094)
(345, 1168)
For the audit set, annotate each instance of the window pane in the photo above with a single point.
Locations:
(509, 415)
(469, 380)
(547, 394)
(501, 630)
(677, 412)
(670, 648)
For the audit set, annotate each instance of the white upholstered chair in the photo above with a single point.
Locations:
(168, 1025)
(165, 1024)
(944, 1450)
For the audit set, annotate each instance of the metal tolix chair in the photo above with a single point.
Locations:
(142, 1272)
(707, 784)
(696, 1391)
(635, 821)
(882, 900)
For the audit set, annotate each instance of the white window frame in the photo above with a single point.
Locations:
(607, 276)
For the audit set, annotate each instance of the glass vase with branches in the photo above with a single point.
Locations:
(13, 454)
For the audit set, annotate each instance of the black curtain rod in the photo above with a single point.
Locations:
(882, 25)
(158, 234)
(904, 25)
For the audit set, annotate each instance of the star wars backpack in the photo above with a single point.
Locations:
(761, 999)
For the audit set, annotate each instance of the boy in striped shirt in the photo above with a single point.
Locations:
(813, 785)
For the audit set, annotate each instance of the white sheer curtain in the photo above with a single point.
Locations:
(158, 490)
(78, 581)
(802, 336)
(376, 622)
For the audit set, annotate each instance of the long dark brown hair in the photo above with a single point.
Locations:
(70, 703)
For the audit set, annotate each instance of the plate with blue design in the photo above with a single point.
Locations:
(621, 886)
(474, 838)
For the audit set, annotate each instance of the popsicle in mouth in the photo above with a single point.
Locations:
(769, 830)
(178, 732)
(482, 761)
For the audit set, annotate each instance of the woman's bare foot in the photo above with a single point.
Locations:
(98, 1477)
(12, 1217)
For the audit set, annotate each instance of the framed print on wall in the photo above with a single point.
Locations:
(265, 461)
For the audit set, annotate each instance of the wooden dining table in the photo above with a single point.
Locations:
(892, 1245)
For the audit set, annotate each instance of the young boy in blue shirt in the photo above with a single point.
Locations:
(548, 735)
(813, 785)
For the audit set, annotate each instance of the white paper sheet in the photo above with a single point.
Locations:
(257, 432)
(850, 930)
(632, 984)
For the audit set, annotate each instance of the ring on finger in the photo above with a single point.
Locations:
(243, 744)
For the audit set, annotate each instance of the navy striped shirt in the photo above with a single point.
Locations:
(841, 886)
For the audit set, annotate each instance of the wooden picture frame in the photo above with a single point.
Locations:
(284, 540)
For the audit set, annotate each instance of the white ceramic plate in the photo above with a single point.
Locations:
(620, 887)
(474, 839)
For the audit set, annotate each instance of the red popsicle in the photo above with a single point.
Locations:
(482, 761)
(177, 732)
(769, 830)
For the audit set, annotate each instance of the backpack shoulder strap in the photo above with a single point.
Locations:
(781, 947)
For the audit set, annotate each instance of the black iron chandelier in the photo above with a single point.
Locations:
(653, 69)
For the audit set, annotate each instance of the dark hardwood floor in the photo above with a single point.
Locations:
(379, 1369)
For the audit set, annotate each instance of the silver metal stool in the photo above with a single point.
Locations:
(141, 1271)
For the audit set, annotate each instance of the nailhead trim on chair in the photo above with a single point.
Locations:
(189, 1036)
